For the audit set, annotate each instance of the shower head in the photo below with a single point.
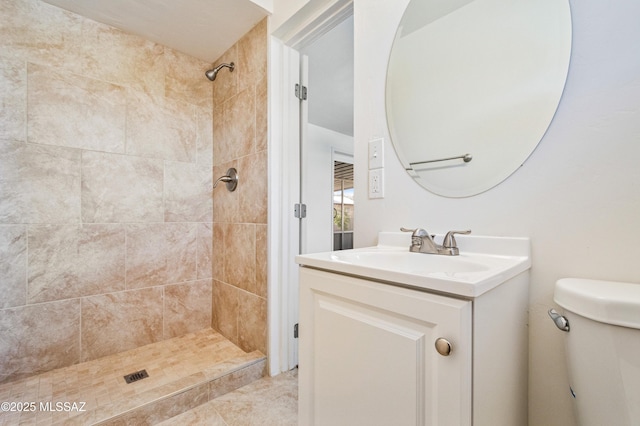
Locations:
(211, 74)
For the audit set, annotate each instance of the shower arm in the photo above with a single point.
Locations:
(212, 73)
(231, 179)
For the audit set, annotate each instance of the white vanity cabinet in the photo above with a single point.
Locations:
(368, 353)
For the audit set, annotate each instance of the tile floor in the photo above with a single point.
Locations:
(186, 367)
(270, 401)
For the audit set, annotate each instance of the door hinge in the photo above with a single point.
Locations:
(301, 92)
(295, 331)
(300, 210)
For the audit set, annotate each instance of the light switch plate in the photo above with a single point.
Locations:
(376, 154)
(376, 183)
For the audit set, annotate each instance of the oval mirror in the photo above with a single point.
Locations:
(472, 86)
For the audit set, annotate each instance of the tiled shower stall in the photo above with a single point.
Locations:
(110, 236)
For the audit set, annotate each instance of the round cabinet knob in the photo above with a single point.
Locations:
(443, 346)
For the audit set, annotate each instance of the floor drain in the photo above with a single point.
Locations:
(134, 377)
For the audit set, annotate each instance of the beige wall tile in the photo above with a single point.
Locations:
(252, 329)
(225, 310)
(240, 256)
(51, 36)
(253, 197)
(240, 230)
(117, 322)
(39, 338)
(39, 184)
(161, 128)
(160, 253)
(236, 135)
(74, 111)
(204, 249)
(240, 113)
(118, 188)
(187, 307)
(31, 28)
(106, 53)
(205, 138)
(187, 192)
(13, 265)
(68, 261)
(185, 79)
(219, 134)
(223, 149)
(181, 249)
(92, 114)
(146, 255)
(252, 56)
(262, 115)
(219, 250)
(226, 83)
(261, 260)
(13, 98)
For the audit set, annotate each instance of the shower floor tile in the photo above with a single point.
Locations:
(96, 391)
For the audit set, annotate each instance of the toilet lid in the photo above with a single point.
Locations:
(610, 302)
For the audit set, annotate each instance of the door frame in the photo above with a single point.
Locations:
(301, 29)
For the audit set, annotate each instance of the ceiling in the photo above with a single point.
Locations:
(204, 29)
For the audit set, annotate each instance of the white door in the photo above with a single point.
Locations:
(288, 235)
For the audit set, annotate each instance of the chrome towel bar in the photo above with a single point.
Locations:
(466, 158)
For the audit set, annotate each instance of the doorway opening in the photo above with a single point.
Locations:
(343, 207)
(310, 128)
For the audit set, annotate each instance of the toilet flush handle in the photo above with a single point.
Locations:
(561, 321)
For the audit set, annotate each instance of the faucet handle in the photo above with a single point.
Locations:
(449, 239)
(418, 232)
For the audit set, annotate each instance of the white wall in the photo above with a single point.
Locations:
(577, 197)
(318, 185)
(283, 10)
(291, 16)
(265, 4)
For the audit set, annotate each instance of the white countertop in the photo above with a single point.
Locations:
(483, 263)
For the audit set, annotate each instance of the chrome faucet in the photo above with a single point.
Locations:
(422, 242)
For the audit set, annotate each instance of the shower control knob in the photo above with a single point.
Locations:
(443, 346)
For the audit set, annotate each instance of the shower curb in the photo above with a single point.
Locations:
(177, 397)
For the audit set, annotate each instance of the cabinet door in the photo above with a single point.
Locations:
(368, 356)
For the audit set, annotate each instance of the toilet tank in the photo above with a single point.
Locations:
(602, 349)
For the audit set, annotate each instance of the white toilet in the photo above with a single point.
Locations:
(602, 320)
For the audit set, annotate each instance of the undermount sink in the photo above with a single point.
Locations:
(483, 263)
